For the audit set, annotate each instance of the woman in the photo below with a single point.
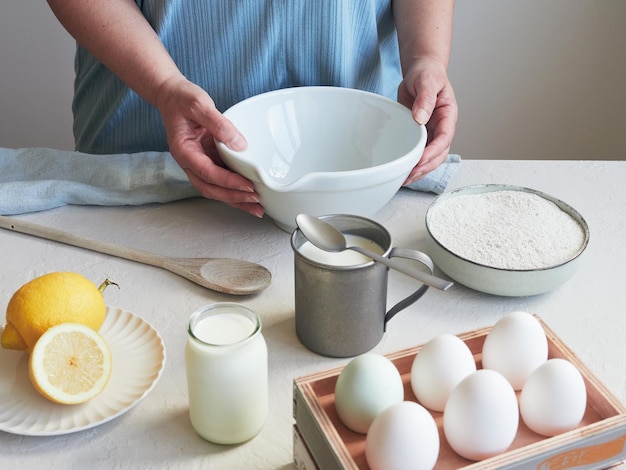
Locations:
(156, 74)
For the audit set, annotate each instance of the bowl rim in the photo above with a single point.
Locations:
(325, 175)
(494, 187)
(329, 89)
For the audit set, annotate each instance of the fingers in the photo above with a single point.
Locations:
(431, 159)
(200, 165)
(233, 189)
(434, 97)
(253, 209)
(441, 127)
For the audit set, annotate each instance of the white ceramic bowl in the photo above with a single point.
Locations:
(324, 150)
(499, 281)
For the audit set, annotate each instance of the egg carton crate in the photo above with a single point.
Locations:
(322, 442)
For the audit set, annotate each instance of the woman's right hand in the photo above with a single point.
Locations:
(191, 122)
(117, 33)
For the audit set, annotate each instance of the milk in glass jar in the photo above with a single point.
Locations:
(226, 363)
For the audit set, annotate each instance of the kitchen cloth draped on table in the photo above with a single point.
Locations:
(37, 179)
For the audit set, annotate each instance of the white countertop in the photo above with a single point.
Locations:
(588, 312)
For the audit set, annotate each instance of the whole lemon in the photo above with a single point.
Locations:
(48, 300)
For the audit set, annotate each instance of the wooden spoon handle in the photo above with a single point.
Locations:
(48, 233)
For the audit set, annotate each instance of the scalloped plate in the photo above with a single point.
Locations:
(138, 361)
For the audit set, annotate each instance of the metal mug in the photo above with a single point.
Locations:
(341, 311)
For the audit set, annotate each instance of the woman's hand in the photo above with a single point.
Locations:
(424, 36)
(191, 122)
(117, 33)
(427, 91)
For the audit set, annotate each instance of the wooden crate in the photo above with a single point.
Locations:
(598, 442)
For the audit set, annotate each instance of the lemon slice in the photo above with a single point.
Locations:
(70, 364)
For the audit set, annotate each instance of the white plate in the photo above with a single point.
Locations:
(138, 360)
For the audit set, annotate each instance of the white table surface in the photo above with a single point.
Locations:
(588, 312)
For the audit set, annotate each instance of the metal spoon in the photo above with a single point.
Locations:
(328, 238)
(231, 276)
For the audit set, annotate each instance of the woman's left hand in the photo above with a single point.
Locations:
(427, 91)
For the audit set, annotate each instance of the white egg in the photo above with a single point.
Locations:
(481, 416)
(554, 398)
(366, 386)
(441, 364)
(403, 437)
(515, 347)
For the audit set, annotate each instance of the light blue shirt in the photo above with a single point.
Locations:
(235, 49)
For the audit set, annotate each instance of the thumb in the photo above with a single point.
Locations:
(226, 132)
(424, 104)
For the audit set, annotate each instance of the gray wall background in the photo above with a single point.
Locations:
(535, 79)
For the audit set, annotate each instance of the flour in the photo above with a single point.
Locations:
(506, 229)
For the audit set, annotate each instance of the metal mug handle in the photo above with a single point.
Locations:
(411, 299)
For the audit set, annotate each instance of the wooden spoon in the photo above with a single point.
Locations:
(231, 276)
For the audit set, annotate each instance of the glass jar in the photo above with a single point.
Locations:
(227, 378)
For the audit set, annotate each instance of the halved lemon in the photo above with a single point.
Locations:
(70, 363)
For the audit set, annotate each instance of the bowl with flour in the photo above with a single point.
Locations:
(506, 240)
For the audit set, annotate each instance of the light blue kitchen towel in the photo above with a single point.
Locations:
(437, 180)
(37, 179)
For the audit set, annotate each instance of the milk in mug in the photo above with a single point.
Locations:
(341, 258)
(227, 378)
